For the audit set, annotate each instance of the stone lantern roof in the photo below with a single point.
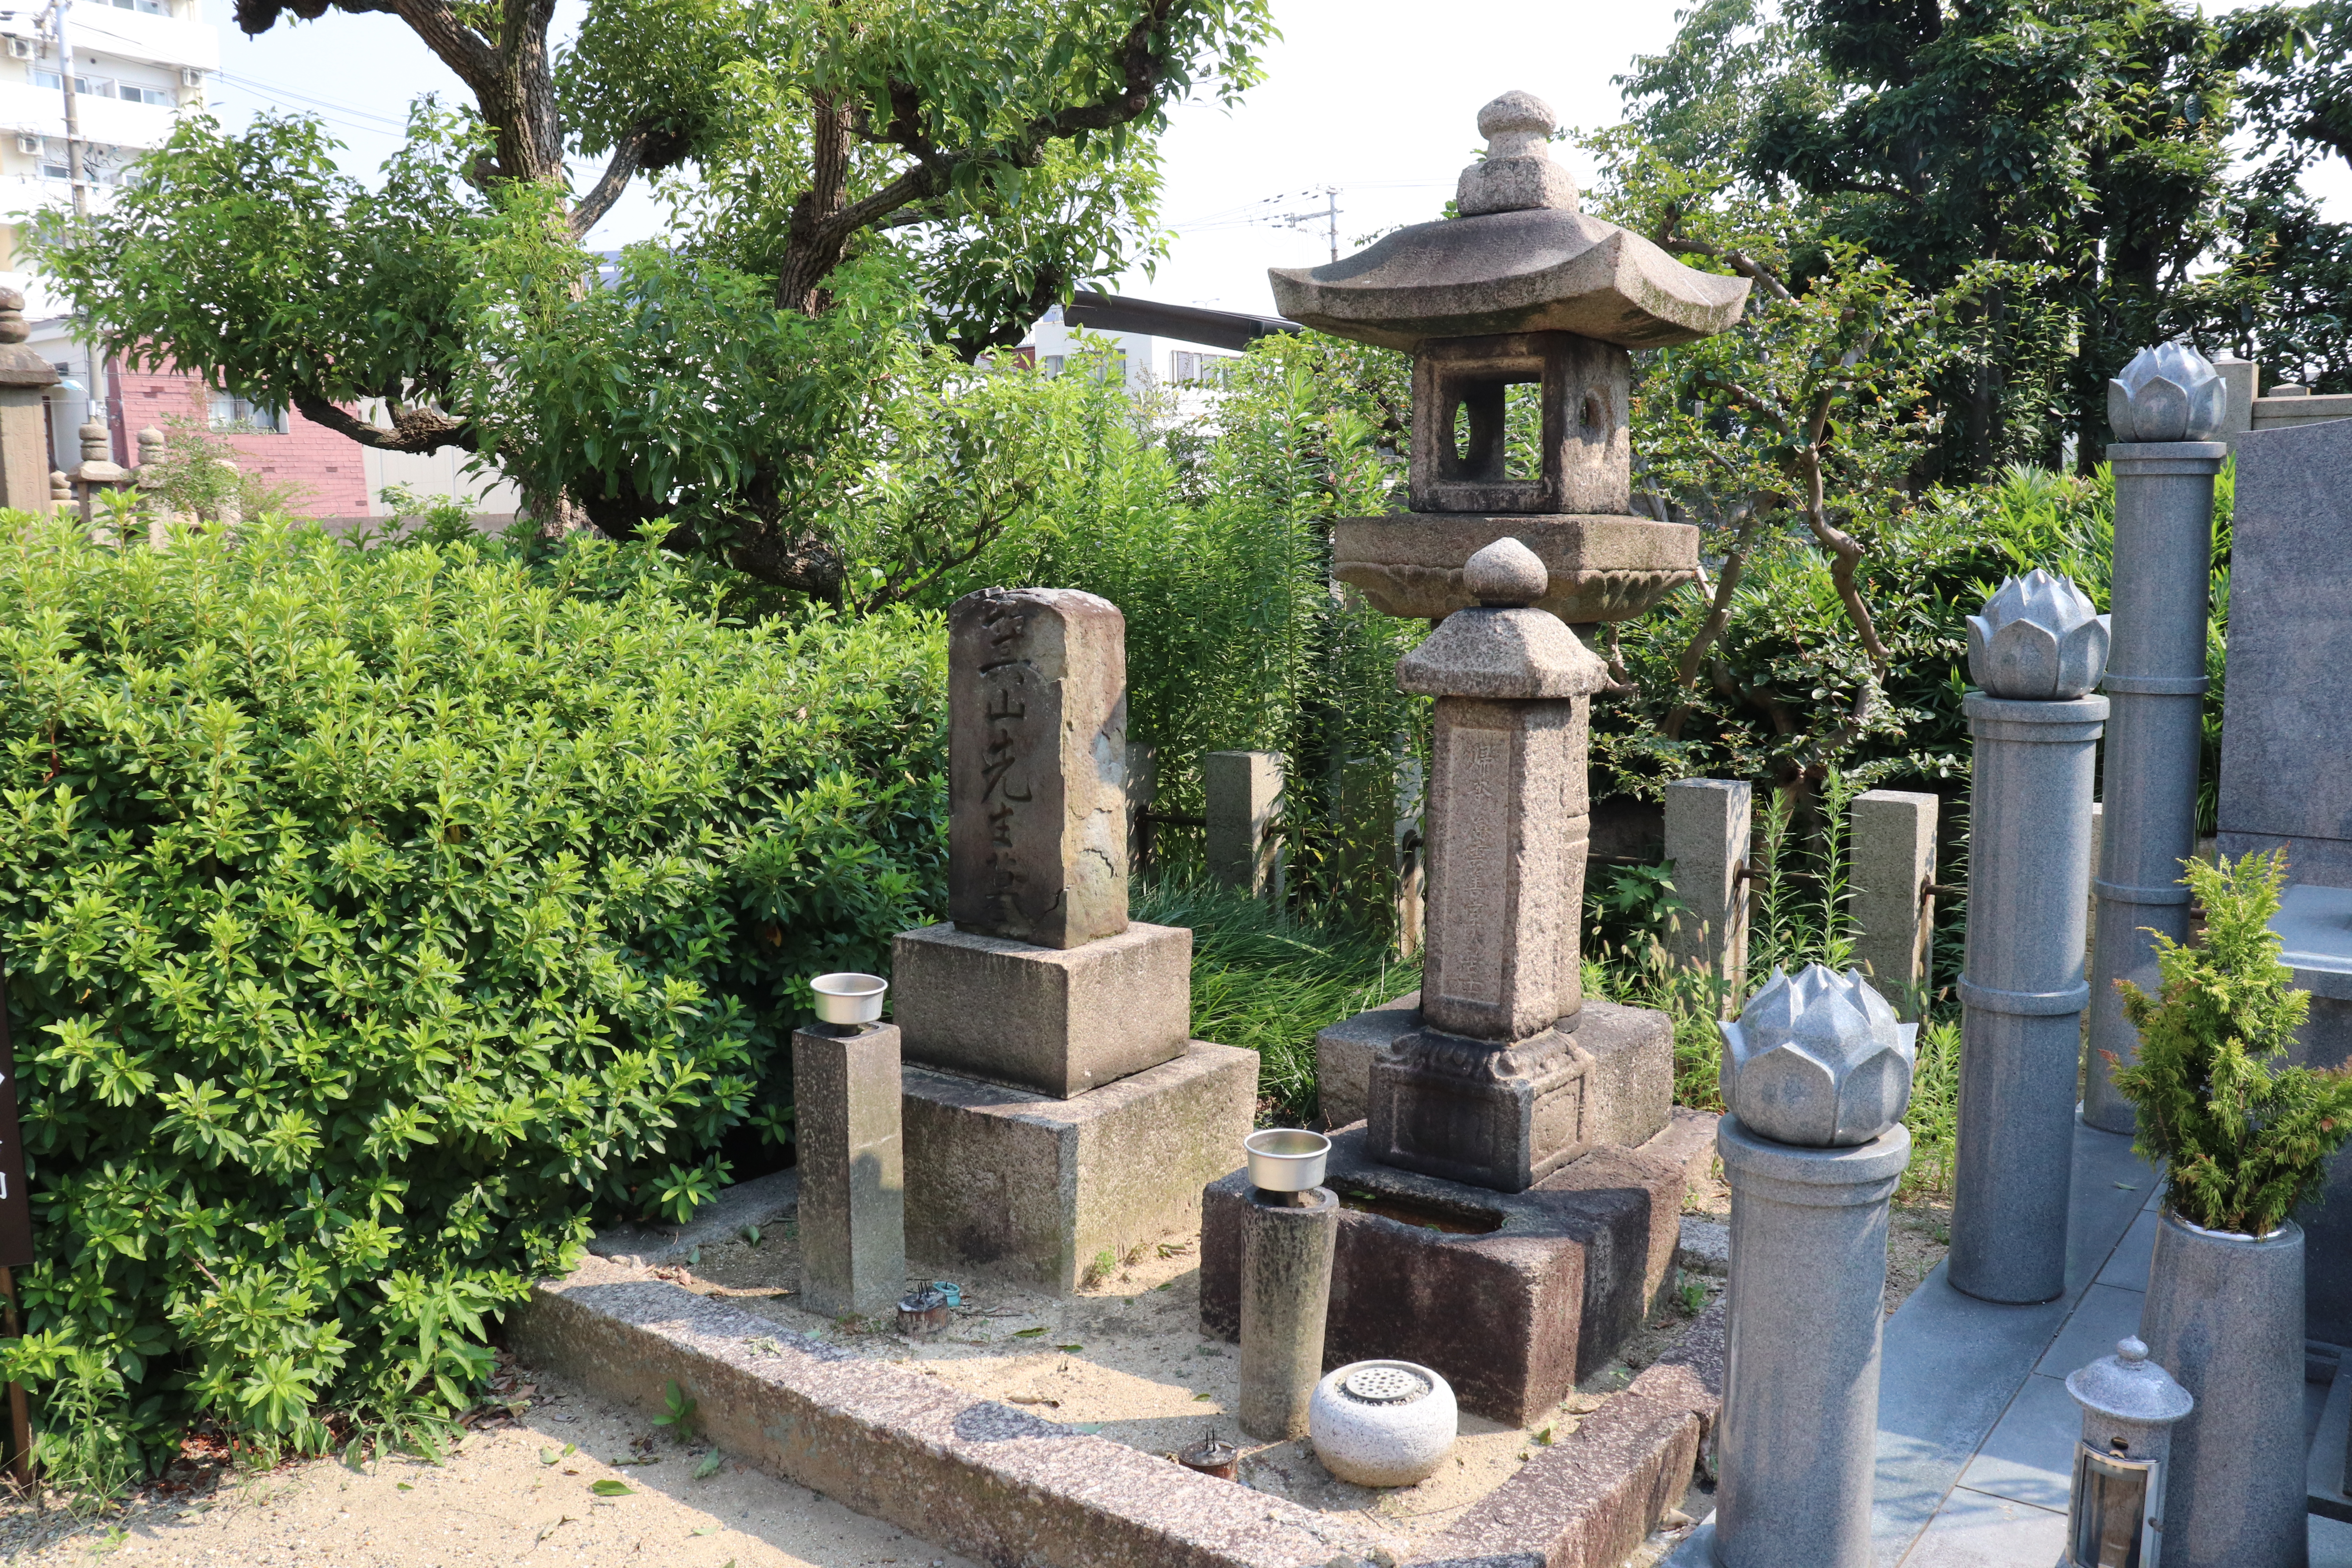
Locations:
(1524, 259)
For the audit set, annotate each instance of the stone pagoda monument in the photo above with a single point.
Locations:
(1514, 1184)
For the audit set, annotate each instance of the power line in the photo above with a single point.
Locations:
(283, 93)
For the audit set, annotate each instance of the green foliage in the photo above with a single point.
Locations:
(375, 917)
(846, 183)
(1266, 982)
(2243, 1140)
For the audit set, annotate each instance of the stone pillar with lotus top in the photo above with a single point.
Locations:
(2163, 406)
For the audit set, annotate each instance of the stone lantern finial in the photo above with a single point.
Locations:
(1517, 173)
(2169, 392)
(1817, 1060)
(2040, 638)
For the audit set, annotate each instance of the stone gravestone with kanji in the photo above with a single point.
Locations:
(1055, 1106)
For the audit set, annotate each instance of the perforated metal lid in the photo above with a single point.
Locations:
(1383, 1385)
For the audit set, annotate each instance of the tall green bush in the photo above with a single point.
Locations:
(374, 919)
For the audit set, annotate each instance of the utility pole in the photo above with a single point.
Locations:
(56, 16)
(1330, 216)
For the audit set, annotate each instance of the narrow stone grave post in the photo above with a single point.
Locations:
(852, 1160)
(2039, 647)
(24, 377)
(1817, 1074)
(1709, 822)
(2168, 400)
(1893, 847)
(1242, 791)
(1142, 793)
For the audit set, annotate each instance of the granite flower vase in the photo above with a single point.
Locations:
(2224, 1315)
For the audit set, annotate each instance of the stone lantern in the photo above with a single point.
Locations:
(1522, 289)
(24, 377)
(2130, 1405)
(1514, 1177)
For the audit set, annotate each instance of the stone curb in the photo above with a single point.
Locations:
(978, 1477)
(1588, 1500)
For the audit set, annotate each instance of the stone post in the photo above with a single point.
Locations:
(149, 476)
(2163, 406)
(1285, 1293)
(1492, 1089)
(98, 471)
(2039, 647)
(25, 375)
(852, 1160)
(1243, 791)
(1142, 792)
(1709, 822)
(1817, 1073)
(1893, 848)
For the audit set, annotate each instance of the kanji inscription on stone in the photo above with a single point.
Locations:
(1038, 765)
(1477, 764)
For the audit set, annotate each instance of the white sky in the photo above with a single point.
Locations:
(1377, 98)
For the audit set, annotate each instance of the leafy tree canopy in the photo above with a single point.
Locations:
(848, 181)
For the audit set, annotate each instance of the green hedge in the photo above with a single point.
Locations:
(374, 919)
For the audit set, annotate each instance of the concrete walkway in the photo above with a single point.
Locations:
(1976, 1430)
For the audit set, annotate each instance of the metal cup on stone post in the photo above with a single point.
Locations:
(1290, 1235)
(2035, 652)
(2115, 1516)
(2168, 400)
(1817, 1074)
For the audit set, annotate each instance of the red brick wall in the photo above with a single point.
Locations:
(329, 469)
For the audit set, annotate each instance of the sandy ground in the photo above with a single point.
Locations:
(1125, 1358)
(519, 1491)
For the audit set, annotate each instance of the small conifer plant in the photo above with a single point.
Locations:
(2244, 1137)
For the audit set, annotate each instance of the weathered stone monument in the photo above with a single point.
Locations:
(2035, 654)
(2164, 406)
(1055, 1107)
(1519, 1171)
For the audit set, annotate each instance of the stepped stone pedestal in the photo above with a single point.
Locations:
(1054, 1107)
(1513, 1296)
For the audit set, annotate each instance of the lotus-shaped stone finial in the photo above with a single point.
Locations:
(2169, 392)
(1819, 1060)
(2039, 639)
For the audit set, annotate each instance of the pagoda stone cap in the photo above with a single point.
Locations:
(1506, 648)
(1520, 259)
(20, 366)
(2127, 1387)
(1517, 173)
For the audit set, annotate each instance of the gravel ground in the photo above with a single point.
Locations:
(519, 1491)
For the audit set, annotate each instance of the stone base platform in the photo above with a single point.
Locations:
(1060, 1020)
(1034, 1187)
(1513, 1296)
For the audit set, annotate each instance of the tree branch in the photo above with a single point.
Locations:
(1739, 261)
(413, 429)
(461, 48)
(619, 169)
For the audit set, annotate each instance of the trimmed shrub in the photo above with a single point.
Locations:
(373, 918)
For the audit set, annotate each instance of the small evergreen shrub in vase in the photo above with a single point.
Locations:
(2243, 1139)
